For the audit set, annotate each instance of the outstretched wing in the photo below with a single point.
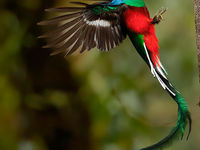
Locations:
(85, 27)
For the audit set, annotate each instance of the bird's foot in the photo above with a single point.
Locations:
(158, 17)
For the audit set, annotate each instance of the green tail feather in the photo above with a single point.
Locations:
(178, 131)
(183, 113)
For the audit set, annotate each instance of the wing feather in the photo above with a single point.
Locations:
(56, 40)
(84, 27)
(59, 18)
(64, 9)
(59, 29)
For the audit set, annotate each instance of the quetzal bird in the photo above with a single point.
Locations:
(105, 24)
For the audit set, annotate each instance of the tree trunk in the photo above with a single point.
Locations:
(197, 24)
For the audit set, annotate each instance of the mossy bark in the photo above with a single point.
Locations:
(197, 24)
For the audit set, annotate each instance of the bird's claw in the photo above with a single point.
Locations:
(158, 17)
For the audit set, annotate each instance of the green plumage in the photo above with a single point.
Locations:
(178, 131)
(137, 40)
(100, 9)
(136, 3)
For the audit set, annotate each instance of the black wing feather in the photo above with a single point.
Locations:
(84, 28)
(59, 29)
(64, 9)
(59, 18)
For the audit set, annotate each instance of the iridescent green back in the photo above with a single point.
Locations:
(136, 3)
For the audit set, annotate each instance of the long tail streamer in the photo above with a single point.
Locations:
(159, 72)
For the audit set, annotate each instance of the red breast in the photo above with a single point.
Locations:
(138, 20)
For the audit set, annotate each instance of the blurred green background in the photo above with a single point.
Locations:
(93, 101)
